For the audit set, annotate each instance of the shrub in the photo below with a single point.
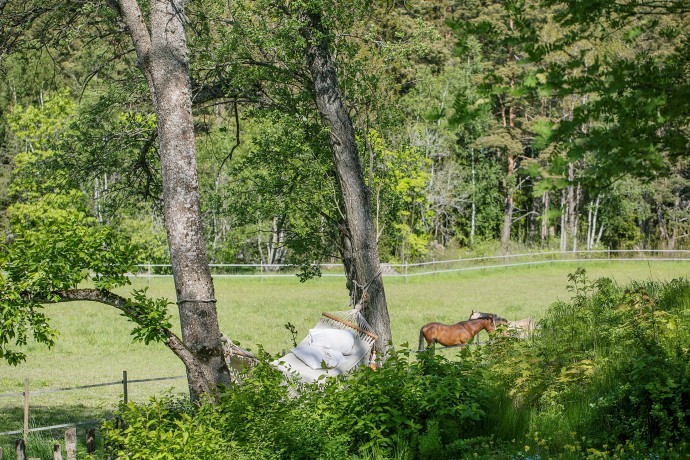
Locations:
(610, 365)
(409, 404)
(166, 429)
(607, 375)
(412, 396)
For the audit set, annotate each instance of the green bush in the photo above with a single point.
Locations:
(606, 375)
(409, 405)
(266, 419)
(166, 429)
(611, 367)
(410, 396)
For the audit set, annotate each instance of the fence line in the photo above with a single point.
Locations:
(475, 263)
(94, 385)
(25, 395)
(545, 262)
(52, 427)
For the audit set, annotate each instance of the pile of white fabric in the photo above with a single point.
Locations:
(325, 348)
(338, 342)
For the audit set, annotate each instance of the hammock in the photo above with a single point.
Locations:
(326, 351)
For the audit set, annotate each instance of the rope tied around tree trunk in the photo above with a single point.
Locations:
(196, 300)
(364, 289)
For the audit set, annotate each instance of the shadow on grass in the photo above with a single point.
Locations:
(40, 443)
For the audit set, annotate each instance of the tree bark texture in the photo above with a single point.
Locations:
(564, 221)
(163, 58)
(509, 200)
(361, 260)
(573, 201)
(545, 219)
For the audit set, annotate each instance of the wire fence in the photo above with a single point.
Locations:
(436, 266)
(27, 395)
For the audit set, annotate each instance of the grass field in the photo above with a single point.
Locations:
(95, 346)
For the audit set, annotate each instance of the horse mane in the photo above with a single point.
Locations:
(480, 315)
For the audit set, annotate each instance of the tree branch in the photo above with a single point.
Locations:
(173, 342)
(238, 358)
(134, 20)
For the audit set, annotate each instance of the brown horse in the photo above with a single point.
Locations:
(455, 334)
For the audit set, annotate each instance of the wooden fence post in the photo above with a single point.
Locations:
(90, 440)
(57, 451)
(71, 443)
(124, 385)
(26, 410)
(20, 447)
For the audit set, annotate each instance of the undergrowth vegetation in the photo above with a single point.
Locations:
(605, 375)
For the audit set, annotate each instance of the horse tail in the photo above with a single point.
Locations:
(421, 339)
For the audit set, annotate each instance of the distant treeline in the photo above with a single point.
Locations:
(482, 126)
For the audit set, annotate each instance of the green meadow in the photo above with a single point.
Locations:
(94, 345)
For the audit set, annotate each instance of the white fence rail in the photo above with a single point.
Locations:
(440, 266)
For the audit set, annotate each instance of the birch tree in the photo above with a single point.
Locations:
(162, 57)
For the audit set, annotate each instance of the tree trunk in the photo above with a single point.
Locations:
(674, 231)
(592, 225)
(545, 220)
(590, 229)
(358, 232)
(509, 206)
(576, 216)
(564, 220)
(162, 57)
(509, 203)
(274, 247)
(473, 223)
(571, 202)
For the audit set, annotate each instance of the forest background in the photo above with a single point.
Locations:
(483, 126)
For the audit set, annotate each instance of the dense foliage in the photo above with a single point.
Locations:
(606, 375)
(55, 244)
(524, 123)
(550, 124)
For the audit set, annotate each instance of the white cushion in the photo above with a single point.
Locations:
(335, 339)
(318, 357)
